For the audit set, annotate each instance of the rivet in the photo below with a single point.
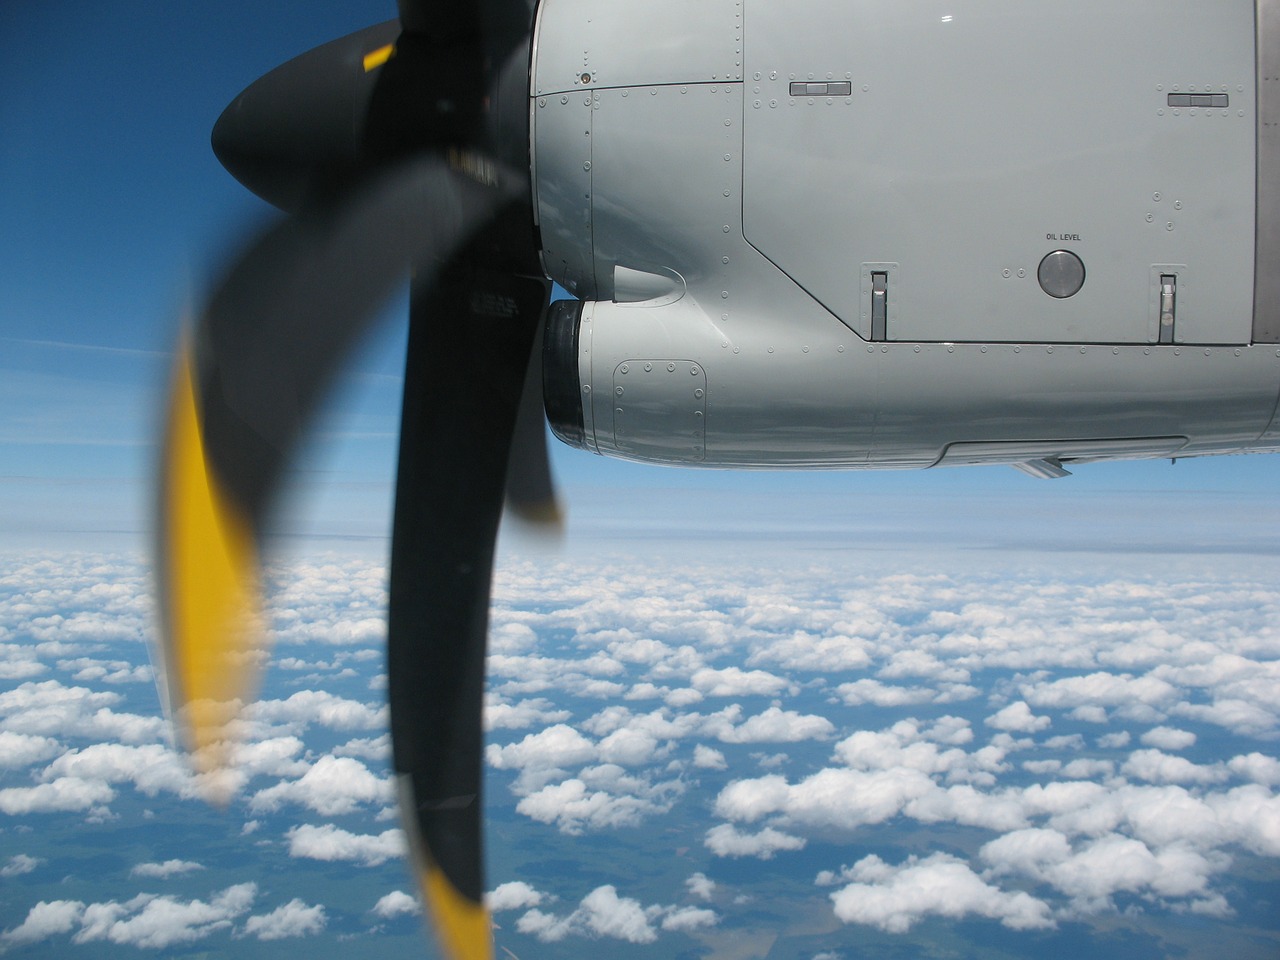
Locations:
(1049, 350)
(542, 101)
(624, 368)
(1208, 352)
(671, 368)
(724, 316)
(626, 93)
(917, 348)
(724, 259)
(1017, 349)
(1147, 352)
(724, 294)
(728, 193)
(1115, 351)
(587, 389)
(698, 393)
(648, 367)
(694, 371)
(1237, 353)
(727, 228)
(737, 349)
(840, 349)
(564, 99)
(1177, 351)
(951, 349)
(1177, 204)
(1022, 272)
(773, 103)
(1156, 196)
(804, 349)
(1006, 273)
(1169, 225)
(873, 350)
(1150, 217)
(1082, 350)
(884, 349)
(586, 165)
(984, 348)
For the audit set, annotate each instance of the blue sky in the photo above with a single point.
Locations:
(116, 214)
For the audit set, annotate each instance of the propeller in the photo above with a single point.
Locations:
(399, 152)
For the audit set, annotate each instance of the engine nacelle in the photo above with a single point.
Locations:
(869, 233)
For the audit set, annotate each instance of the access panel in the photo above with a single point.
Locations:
(994, 170)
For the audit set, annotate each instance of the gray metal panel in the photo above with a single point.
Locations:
(561, 131)
(980, 137)
(615, 44)
(1266, 302)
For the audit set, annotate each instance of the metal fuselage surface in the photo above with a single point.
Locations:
(865, 233)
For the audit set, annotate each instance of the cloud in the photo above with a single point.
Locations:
(726, 841)
(397, 903)
(294, 919)
(46, 919)
(170, 868)
(19, 865)
(158, 922)
(1017, 718)
(320, 707)
(63, 795)
(736, 682)
(19, 750)
(895, 898)
(701, 886)
(515, 895)
(1168, 738)
(603, 798)
(333, 786)
(706, 758)
(604, 914)
(331, 843)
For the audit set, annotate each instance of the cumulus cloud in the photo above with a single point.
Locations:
(726, 841)
(604, 914)
(894, 898)
(1017, 718)
(331, 787)
(331, 843)
(1168, 738)
(397, 903)
(157, 922)
(170, 868)
(294, 919)
(46, 919)
(515, 895)
(63, 795)
(19, 865)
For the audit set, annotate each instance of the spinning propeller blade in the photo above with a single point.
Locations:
(394, 152)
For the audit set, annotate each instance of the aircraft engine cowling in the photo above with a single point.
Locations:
(887, 235)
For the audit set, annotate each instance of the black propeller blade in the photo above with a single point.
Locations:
(389, 147)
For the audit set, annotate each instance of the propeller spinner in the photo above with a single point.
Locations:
(398, 152)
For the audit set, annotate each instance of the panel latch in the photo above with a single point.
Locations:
(1168, 305)
(879, 305)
